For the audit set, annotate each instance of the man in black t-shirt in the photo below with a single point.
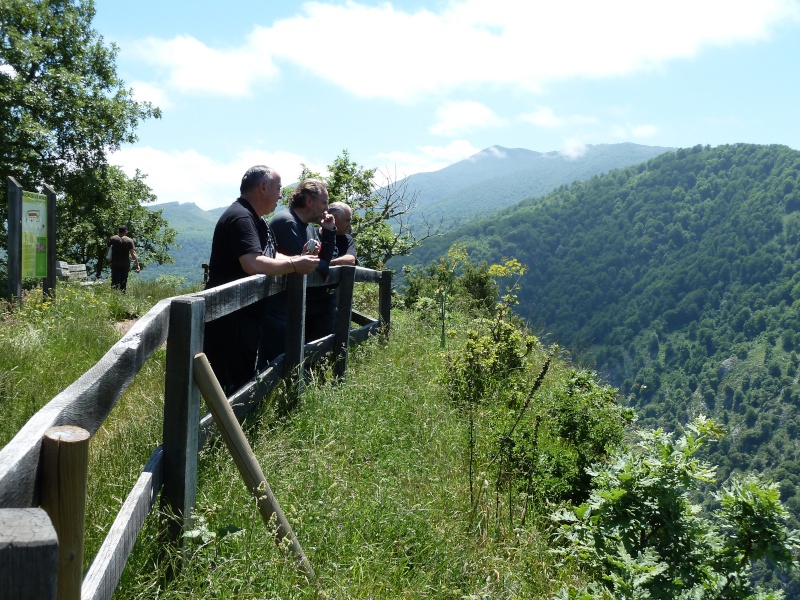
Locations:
(242, 246)
(122, 250)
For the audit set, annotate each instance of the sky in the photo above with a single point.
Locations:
(415, 85)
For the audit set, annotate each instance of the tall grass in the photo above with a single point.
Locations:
(370, 471)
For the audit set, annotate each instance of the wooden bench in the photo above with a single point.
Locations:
(71, 272)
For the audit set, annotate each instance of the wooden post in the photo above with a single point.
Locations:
(181, 414)
(344, 309)
(295, 335)
(49, 282)
(65, 464)
(14, 240)
(28, 554)
(385, 301)
(246, 461)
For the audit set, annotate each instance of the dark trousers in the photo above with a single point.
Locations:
(230, 344)
(119, 277)
(320, 319)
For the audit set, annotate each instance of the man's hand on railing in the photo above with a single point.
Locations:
(304, 264)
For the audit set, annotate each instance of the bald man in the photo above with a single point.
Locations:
(346, 247)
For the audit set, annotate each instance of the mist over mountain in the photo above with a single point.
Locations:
(498, 177)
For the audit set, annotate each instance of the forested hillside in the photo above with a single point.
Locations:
(678, 279)
(195, 228)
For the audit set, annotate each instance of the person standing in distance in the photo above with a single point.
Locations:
(122, 250)
(243, 245)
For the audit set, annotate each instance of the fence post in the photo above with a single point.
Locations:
(49, 282)
(28, 554)
(295, 335)
(385, 301)
(181, 414)
(344, 310)
(14, 240)
(65, 464)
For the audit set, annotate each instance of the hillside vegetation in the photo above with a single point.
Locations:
(488, 468)
(678, 279)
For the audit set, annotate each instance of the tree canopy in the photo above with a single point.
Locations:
(63, 107)
(380, 226)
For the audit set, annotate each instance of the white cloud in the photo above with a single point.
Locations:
(573, 148)
(193, 67)
(148, 92)
(385, 52)
(427, 158)
(543, 116)
(455, 118)
(642, 131)
(189, 176)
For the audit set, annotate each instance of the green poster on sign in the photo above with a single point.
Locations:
(34, 235)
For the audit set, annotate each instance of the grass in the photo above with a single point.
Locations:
(371, 473)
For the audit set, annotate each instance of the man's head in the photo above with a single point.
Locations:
(123, 230)
(310, 200)
(261, 187)
(343, 215)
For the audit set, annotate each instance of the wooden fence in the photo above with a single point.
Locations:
(30, 553)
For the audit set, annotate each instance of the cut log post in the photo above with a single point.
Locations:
(295, 337)
(28, 554)
(385, 302)
(65, 464)
(181, 415)
(341, 333)
(246, 461)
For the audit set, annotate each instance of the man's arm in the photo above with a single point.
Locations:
(346, 260)
(135, 260)
(258, 264)
(349, 256)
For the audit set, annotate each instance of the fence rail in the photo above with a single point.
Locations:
(172, 468)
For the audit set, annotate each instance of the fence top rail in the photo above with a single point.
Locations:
(88, 401)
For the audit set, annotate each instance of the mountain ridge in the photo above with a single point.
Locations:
(458, 191)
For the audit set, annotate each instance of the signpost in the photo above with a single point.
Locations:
(31, 238)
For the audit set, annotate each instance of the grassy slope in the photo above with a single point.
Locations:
(371, 472)
(372, 475)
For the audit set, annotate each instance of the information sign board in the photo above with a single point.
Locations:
(34, 235)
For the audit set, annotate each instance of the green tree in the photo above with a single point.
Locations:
(639, 535)
(62, 104)
(108, 199)
(380, 226)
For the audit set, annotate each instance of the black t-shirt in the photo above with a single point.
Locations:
(239, 231)
(346, 245)
(121, 247)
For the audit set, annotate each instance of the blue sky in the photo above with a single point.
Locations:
(412, 86)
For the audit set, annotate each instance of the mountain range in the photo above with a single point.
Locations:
(486, 182)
